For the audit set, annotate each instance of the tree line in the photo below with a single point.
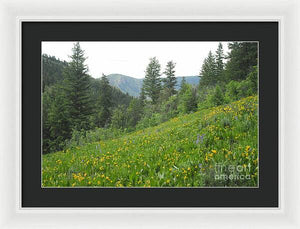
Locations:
(77, 106)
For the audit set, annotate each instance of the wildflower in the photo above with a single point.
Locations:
(206, 158)
(59, 162)
(200, 138)
(214, 151)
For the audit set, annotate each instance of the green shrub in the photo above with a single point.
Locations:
(232, 91)
(146, 122)
(187, 100)
(119, 118)
(216, 98)
(169, 108)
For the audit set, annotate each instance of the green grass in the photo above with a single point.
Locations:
(188, 151)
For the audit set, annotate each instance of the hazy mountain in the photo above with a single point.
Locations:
(126, 84)
(194, 80)
(133, 86)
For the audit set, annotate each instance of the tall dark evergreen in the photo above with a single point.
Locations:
(208, 72)
(152, 81)
(77, 86)
(105, 101)
(241, 59)
(56, 118)
(170, 81)
(220, 63)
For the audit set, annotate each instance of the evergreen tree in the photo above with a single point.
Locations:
(242, 57)
(59, 118)
(170, 81)
(217, 98)
(219, 63)
(119, 118)
(117, 96)
(105, 102)
(152, 81)
(182, 84)
(134, 112)
(46, 103)
(208, 72)
(77, 87)
(142, 96)
(187, 99)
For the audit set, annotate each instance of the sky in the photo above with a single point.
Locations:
(132, 58)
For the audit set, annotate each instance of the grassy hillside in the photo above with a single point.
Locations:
(198, 149)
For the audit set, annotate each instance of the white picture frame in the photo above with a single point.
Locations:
(12, 13)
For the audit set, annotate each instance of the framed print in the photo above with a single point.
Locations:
(140, 135)
(35, 191)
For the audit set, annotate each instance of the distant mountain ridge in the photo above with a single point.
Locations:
(132, 86)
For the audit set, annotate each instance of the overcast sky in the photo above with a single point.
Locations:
(132, 58)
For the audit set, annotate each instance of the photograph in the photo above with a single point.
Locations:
(150, 114)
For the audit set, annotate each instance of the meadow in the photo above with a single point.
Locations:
(211, 147)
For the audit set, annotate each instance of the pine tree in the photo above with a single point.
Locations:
(142, 96)
(134, 112)
(217, 98)
(208, 72)
(105, 101)
(170, 81)
(77, 87)
(187, 101)
(182, 84)
(46, 102)
(219, 63)
(152, 81)
(241, 59)
(58, 118)
(119, 118)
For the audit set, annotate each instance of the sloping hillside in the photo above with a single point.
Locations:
(212, 147)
